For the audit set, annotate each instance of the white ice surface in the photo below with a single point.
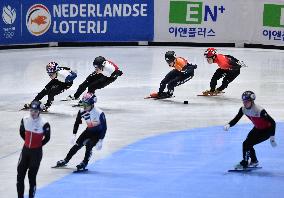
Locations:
(129, 116)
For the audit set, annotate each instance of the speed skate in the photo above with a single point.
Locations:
(211, 94)
(80, 170)
(247, 169)
(155, 96)
(28, 109)
(75, 170)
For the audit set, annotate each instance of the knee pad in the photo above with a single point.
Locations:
(171, 87)
(86, 142)
(78, 145)
(89, 143)
(226, 81)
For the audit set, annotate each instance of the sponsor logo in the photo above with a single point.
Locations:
(79, 18)
(9, 16)
(38, 19)
(187, 12)
(273, 15)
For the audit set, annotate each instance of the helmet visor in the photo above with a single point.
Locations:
(34, 110)
(34, 113)
(170, 60)
(85, 104)
(50, 73)
(209, 55)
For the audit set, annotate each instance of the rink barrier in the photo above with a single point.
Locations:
(25, 22)
(98, 44)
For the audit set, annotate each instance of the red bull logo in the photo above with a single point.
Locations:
(38, 19)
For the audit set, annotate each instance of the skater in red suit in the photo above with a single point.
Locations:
(35, 131)
(229, 69)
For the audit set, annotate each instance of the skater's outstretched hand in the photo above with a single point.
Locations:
(272, 141)
(226, 127)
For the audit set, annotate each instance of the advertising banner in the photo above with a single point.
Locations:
(198, 21)
(222, 21)
(86, 21)
(269, 28)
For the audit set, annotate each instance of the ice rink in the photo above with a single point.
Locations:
(153, 148)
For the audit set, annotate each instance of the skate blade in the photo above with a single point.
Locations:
(65, 100)
(77, 105)
(28, 109)
(80, 171)
(248, 169)
(219, 94)
(147, 97)
(162, 98)
(64, 166)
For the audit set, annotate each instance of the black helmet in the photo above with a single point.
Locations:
(248, 95)
(98, 62)
(35, 105)
(170, 56)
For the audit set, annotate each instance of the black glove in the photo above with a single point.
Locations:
(193, 66)
(189, 68)
(116, 73)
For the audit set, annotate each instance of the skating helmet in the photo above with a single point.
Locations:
(35, 105)
(52, 67)
(210, 52)
(89, 99)
(99, 62)
(248, 95)
(170, 56)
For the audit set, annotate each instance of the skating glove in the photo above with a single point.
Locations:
(73, 139)
(27, 106)
(44, 107)
(272, 141)
(71, 77)
(226, 127)
(99, 144)
(116, 73)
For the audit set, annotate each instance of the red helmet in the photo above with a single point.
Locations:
(210, 52)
